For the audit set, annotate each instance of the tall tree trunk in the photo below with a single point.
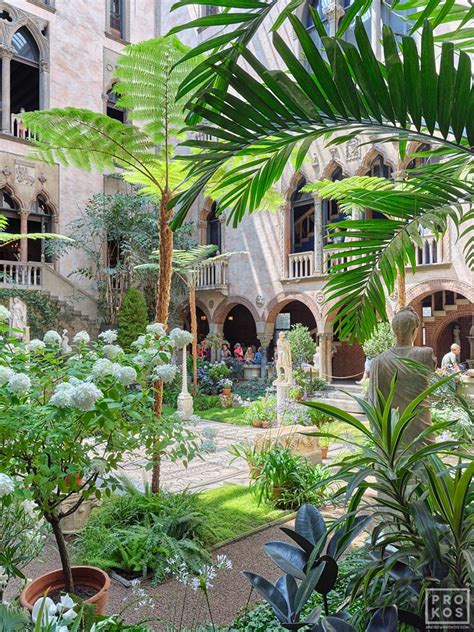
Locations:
(194, 330)
(63, 553)
(402, 291)
(161, 315)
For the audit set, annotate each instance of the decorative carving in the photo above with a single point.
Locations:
(353, 150)
(44, 65)
(6, 171)
(24, 174)
(42, 178)
(210, 304)
(6, 51)
(334, 153)
(320, 297)
(260, 301)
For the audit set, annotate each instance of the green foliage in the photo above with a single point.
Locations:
(309, 383)
(302, 344)
(13, 619)
(381, 340)
(260, 410)
(251, 389)
(171, 392)
(204, 402)
(137, 533)
(210, 376)
(43, 313)
(133, 317)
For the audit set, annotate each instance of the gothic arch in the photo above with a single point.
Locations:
(34, 24)
(370, 156)
(44, 194)
(293, 184)
(419, 291)
(221, 311)
(11, 192)
(275, 306)
(330, 168)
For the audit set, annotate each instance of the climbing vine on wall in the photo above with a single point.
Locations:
(42, 312)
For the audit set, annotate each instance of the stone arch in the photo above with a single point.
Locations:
(44, 194)
(450, 318)
(34, 24)
(370, 156)
(224, 308)
(419, 291)
(332, 165)
(11, 192)
(275, 306)
(293, 184)
(412, 148)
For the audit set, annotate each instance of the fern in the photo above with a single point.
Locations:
(13, 619)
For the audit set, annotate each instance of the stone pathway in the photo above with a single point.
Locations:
(209, 470)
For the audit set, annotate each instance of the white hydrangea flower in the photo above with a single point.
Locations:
(7, 486)
(180, 337)
(102, 368)
(19, 383)
(98, 466)
(5, 374)
(157, 358)
(85, 395)
(157, 329)
(4, 314)
(166, 373)
(139, 342)
(62, 396)
(30, 508)
(109, 336)
(52, 337)
(35, 346)
(82, 338)
(140, 360)
(126, 375)
(111, 351)
(3, 577)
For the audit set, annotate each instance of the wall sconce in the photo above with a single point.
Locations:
(230, 318)
(203, 317)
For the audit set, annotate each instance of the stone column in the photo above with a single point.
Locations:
(376, 31)
(6, 54)
(215, 328)
(334, 12)
(44, 84)
(325, 350)
(265, 340)
(185, 401)
(24, 231)
(318, 235)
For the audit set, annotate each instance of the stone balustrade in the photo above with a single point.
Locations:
(22, 274)
(213, 275)
(301, 265)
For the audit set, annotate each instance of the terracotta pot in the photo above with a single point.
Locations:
(226, 391)
(324, 451)
(89, 576)
(265, 424)
(256, 423)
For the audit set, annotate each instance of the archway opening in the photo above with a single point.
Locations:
(24, 73)
(302, 220)
(10, 209)
(239, 326)
(293, 313)
(40, 220)
(460, 331)
(202, 322)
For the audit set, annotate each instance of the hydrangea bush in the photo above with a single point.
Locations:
(68, 418)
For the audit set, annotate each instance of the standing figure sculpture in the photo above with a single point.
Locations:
(410, 382)
(284, 370)
(18, 319)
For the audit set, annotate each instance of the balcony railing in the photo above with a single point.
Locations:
(431, 251)
(23, 274)
(212, 275)
(301, 265)
(18, 130)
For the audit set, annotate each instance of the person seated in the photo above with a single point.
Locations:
(258, 356)
(238, 352)
(225, 352)
(249, 355)
(450, 362)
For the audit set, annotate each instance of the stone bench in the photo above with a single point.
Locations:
(251, 372)
(290, 436)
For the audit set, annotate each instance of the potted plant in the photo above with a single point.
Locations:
(262, 412)
(297, 393)
(68, 418)
(324, 446)
(226, 386)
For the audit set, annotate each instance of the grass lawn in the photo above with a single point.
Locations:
(233, 511)
(225, 415)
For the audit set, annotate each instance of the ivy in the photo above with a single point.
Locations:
(42, 312)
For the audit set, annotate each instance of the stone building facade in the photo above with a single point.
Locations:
(56, 53)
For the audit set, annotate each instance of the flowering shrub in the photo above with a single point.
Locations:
(261, 410)
(66, 419)
(294, 413)
(22, 532)
(210, 375)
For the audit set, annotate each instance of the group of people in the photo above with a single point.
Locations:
(251, 355)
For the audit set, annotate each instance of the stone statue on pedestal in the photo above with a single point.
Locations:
(410, 382)
(284, 369)
(65, 348)
(317, 361)
(18, 318)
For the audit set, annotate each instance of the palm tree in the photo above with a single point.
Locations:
(148, 82)
(271, 116)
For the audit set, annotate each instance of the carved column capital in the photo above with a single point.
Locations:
(44, 65)
(6, 52)
(24, 213)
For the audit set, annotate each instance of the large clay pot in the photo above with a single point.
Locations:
(226, 391)
(89, 576)
(324, 451)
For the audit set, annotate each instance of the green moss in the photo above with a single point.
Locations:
(225, 415)
(231, 511)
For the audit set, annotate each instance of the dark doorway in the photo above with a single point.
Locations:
(240, 327)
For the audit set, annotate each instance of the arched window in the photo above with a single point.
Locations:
(40, 220)
(331, 212)
(302, 220)
(116, 19)
(419, 161)
(10, 209)
(213, 228)
(24, 75)
(113, 110)
(378, 169)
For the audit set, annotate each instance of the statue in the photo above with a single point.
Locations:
(410, 382)
(284, 369)
(65, 348)
(316, 360)
(18, 318)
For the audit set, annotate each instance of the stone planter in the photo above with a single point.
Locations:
(89, 576)
(77, 520)
(293, 437)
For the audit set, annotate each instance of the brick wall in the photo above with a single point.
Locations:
(349, 360)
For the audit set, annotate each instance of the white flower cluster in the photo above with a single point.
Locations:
(141, 597)
(103, 367)
(4, 314)
(98, 466)
(165, 373)
(19, 383)
(76, 394)
(81, 338)
(141, 341)
(5, 375)
(52, 338)
(3, 577)
(156, 329)
(7, 486)
(204, 578)
(55, 617)
(112, 351)
(109, 336)
(35, 346)
(180, 338)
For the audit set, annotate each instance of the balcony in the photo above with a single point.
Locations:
(213, 275)
(431, 251)
(301, 265)
(24, 275)
(18, 130)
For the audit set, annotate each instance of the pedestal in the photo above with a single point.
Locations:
(185, 405)
(293, 437)
(466, 388)
(77, 520)
(282, 389)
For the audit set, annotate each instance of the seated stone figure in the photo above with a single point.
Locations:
(410, 382)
